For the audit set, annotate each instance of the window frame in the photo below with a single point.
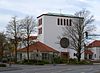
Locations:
(40, 22)
(40, 30)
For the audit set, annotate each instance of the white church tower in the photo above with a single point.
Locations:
(50, 26)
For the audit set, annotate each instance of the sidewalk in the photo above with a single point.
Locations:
(9, 68)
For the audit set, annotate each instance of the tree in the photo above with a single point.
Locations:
(2, 44)
(9, 48)
(27, 26)
(77, 31)
(13, 33)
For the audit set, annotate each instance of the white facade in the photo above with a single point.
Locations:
(51, 30)
(96, 53)
(36, 55)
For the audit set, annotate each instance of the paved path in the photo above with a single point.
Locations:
(53, 69)
(9, 69)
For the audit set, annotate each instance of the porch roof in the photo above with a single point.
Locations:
(88, 52)
(38, 46)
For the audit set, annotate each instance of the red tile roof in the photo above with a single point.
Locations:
(38, 46)
(88, 52)
(95, 43)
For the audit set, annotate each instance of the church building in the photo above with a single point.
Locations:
(50, 27)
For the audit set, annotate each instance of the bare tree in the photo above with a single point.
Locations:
(2, 44)
(76, 32)
(9, 49)
(13, 33)
(28, 25)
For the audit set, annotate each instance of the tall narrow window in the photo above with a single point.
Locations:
(40, 22)
(64, 22)
(95, 55)
(70, 22)
(40, 31)
(58, 21)
(67, 22)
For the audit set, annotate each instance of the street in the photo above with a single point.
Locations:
(52, 69)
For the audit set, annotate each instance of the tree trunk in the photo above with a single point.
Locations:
(15, 41)
(79, 55)
(28, 48)
(28, 52)
(15, 52)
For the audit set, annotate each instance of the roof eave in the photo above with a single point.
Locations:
(60, 15)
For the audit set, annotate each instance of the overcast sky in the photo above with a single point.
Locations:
(22, 8)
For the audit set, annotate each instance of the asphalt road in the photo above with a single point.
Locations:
(52, 69)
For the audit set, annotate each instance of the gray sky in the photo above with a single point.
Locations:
(22, 8)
